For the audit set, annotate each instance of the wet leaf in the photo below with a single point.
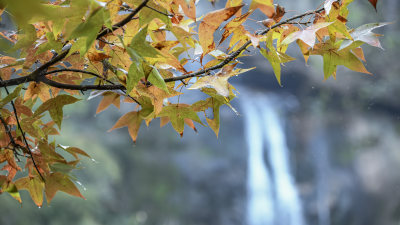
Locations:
(210, 24)
(34, 186)
(364, 33)
(60, 182)
(132, 120)
(54, 106)
(307, 35)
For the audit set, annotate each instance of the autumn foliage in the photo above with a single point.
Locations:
(145, 53)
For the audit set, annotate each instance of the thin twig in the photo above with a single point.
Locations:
(124, 21)
(23, 134)
(8, 130)
(240, 50)
(229, 59)
(82, 87)
(156, 10)
(93, 74)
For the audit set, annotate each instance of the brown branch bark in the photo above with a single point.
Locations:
(240, 50)
(124, 21)
(81, 87)
(232, 56)
(22, 133)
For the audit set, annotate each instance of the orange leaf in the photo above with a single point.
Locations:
(132, 120)
(210, 24)
(97, 56)
(279, 13)
(188, 7)
(34, 186)
(190, 123)
(108, 99)
(265, 6)
(373, 2)
(35, 90)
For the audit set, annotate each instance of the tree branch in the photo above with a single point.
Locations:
(156, 10)
(77, 71)
(22, 132)
(93, 74)
(233, 55)
(8, 131)
(124, 21)
(81, 87)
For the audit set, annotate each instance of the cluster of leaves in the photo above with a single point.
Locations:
(141, 52)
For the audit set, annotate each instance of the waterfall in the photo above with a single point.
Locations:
(272, 194)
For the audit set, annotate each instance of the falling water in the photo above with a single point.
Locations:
(272, 195)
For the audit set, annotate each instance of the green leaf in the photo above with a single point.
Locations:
(60, 182)
(75, 151)
(54, 106)
(34, 186)
(26, 39)
(135, 73)
(50, 44)
(177, 113)
(10, 188)
(61, 167)
(90, 28)
(140, 45)
(275, 61)
(157, 80)
(11, 96)
(5, 45)
(331, 61)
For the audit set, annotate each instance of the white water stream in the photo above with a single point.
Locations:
(272, 195)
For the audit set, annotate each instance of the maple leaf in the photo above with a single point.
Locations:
(219, 81)
(333, 57)
(188, 7)
(141, 50)
(364, 33)
(132, 120)
(232, 25)
(328, 5)
(109, 98)
(34, 186)
(177, 113)
(307, 35)
(215, 102)
(74, 151)
(274, 57)
(210, 24)
(265, 6)
(60, 182)
(156, 95)
(373, 3)
(54, 106)
(10, 97)
(10, 188)
(35, 90)
(140, 45)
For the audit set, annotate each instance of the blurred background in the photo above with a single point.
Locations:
(312, 152)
